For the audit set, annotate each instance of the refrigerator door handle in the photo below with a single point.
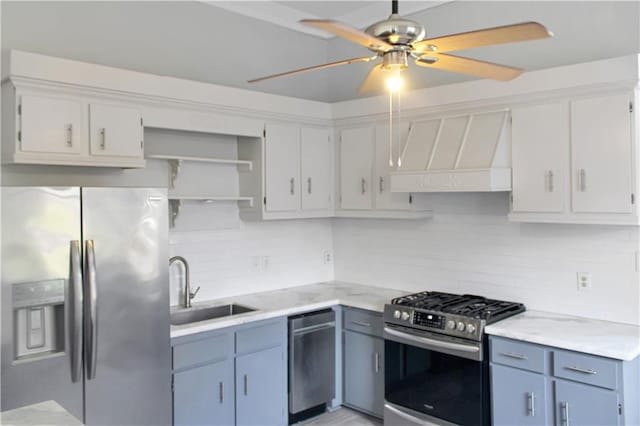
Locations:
(91, 311)
(75, 287)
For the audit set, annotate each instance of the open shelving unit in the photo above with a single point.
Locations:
(175, 202)
(175, 161)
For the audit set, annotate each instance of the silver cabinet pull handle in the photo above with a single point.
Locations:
(70, 135)
(531, 400)
(515, 356)
(582, 180)
(376, 362)
(246, 384)
(581, 370)
(309, 185)
(75, 288)
(364, 183)
(361, 323)
(565, 411)
(550, 180)
(292, 183)
(103, 138)
(381, 183)
(91, 311)
(221, 392)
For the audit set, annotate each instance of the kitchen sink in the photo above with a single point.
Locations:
(187, 316)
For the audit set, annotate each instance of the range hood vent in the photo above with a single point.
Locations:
(463, 153)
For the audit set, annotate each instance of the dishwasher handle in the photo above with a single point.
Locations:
(314, 328)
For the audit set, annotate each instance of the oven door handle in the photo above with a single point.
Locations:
(465, 351)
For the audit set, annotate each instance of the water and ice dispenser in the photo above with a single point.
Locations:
(38, 309)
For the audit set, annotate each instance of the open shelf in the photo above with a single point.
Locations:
(175, 161)
(175, 202)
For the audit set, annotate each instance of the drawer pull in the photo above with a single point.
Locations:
(582, 370)
(376, 362)
(531, 400)
(361, 324)
(515, 356)
(221, 392)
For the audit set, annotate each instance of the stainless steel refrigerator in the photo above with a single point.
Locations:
(85, 302)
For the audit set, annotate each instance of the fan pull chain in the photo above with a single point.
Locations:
(398, 132)
(390, 128)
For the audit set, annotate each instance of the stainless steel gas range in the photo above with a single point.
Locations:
(436, 358)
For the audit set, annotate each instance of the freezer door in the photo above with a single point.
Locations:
(41, 312)
(127, 353)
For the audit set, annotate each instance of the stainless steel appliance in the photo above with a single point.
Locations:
(85, 302)
(436, 363)
(312, 340)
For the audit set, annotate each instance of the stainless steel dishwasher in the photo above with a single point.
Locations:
(312, 362)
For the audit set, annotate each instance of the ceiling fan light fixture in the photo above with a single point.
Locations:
(394, 82)
(395, 60)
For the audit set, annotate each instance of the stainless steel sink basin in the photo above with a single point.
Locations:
(187, 316)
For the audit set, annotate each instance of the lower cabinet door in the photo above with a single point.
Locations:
(517, 397)
(261, 394)
(584, 405)
(363, 372)
(204, 395)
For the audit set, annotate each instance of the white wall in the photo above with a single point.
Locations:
(470, 247)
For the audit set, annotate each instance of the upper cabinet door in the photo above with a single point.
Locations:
(282, 176)
(540, 154)
(50, 125)
(356, 163)
(601, 144)
(316, 170)
(115, 131)
(385, 200)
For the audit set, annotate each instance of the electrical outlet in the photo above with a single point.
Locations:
(327, 257)
(266, 263)
(584, 281)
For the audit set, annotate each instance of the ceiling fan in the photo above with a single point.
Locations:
(397, 39)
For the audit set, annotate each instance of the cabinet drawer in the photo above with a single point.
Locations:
(518, 354)
(209, 349)
(363, 321)
(260, 337)
(584, 368)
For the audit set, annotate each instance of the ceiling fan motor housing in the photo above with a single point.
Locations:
(397, 30)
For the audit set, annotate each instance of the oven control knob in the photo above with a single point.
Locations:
(451, 324)
(460, 326)
(396, 314)
(471, 328)
(405, 316)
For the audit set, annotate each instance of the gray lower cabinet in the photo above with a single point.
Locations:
(578, 404)
(260, 389)
(363, 366)
(204, 395)
(518, 397)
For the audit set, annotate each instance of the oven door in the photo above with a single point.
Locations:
(436, 377)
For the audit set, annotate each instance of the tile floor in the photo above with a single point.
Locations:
(342, 417)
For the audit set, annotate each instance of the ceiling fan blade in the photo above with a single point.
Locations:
(470, 66)
(315, 68)
(490, 36)
(374, 80)
(349, 33)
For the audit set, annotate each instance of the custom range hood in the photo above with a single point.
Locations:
(461, 153)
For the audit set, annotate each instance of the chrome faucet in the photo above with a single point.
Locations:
(188, 295)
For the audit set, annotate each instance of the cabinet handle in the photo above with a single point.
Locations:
(103, 138)
(550, 180)
(69, 135)
(582, 180)
(376, 362)
(564, 419)
(515, 356)
(582, 370)
(531, 400)
(221, 392)
(309, 185)
(292, 183)
(246, 384)
(361, 323)
(364, 183)
(381, 184)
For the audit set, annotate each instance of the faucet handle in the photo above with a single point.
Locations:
(193, 293)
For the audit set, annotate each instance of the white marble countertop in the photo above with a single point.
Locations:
(604, 338)
(291, 301)
(44, 413)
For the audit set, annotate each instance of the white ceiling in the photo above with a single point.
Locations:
(287, 14)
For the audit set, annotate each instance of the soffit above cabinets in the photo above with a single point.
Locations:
(469, 153)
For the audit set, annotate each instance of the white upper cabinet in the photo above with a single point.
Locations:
(574, 161)
(282, 168)
(115, 131)
(384, 198)
(540, 137)
(68, 130)
(601, 154)
(356, 167)
(315, 168)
